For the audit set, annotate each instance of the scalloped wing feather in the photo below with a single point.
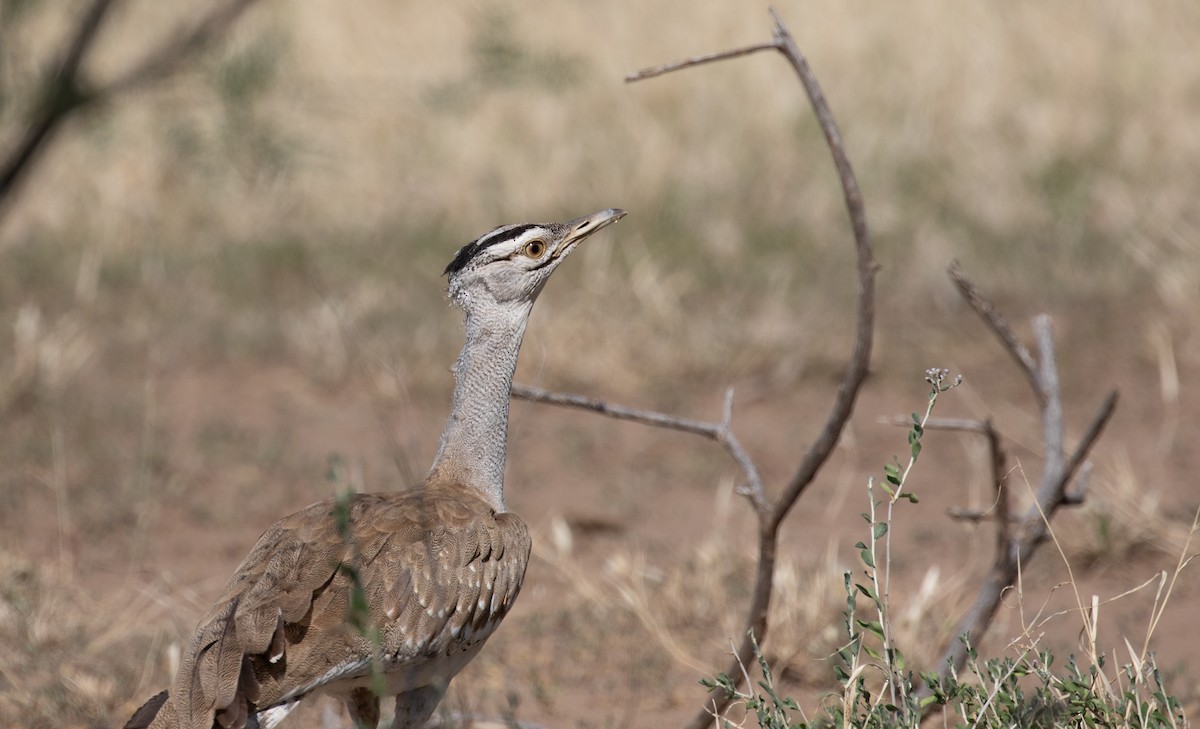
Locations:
(438, 569)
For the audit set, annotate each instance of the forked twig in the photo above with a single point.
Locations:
(771, 515)
(1000, 509)
(1016, 542)
(61, 95)
(69, 91)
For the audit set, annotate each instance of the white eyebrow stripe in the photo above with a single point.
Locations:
(502, 235)
(470, 251)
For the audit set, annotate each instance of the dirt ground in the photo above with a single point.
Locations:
(641, 507)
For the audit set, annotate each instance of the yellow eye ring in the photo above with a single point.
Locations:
(534, 249)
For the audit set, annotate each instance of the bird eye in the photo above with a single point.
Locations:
(535, 249)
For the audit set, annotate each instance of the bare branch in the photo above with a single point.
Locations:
(81, 42)
(1079, 493)
(721, 432)
(659, 70)
(856, 370)
(1051, 498)
(1015, 546)
(1052, 409)
(818, 453)
(999, 327)
(61, 95)
(645, 417)
(1003, 505)
(68, 93)
(770, 516)
(996, 462)
(170, 55)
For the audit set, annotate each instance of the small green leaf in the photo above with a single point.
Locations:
(872, 626)
(910, 496)
(867, 559)
(868, 592)
(916, 449)
(887, 489)
(859, 545)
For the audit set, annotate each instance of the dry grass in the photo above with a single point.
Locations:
(58, 644)
(209, 288)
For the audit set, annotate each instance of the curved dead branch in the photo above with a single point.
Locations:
(771, 514)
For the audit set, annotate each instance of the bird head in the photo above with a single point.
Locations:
(510, 265)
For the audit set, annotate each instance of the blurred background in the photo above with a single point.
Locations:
(221, 300)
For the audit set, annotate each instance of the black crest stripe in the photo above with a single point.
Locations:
(470, 250)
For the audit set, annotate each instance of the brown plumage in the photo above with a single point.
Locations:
(438, 571)
(386, 594)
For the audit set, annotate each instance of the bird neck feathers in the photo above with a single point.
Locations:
(473, 443)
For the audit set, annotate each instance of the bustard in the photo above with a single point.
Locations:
(439, 565)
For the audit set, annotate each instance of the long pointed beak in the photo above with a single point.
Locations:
(581, 228)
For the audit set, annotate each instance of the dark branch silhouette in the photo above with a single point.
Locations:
(62, 94)
(68, 91)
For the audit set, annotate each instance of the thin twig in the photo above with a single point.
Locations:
(61, 95)
(999, 327)
(652, 71)
(1079, 493)
(721, 432)
(1003, 505)
(68, 92)
(85, 36)
(996, 463)
(645, 417)
(1057, 496)
(169, 56)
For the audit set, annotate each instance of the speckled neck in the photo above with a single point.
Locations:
(474, 441)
